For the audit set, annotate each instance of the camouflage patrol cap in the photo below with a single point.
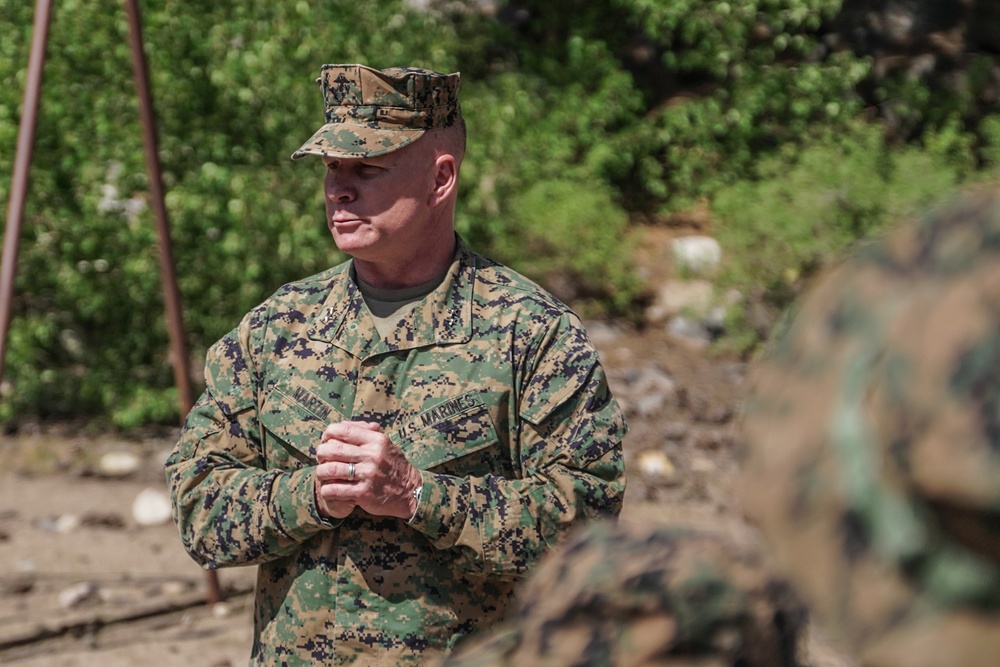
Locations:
(872, 442)
(371, 112)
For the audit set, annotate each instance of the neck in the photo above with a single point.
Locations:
(431, 262)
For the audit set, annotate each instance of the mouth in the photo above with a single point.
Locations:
(345, 221)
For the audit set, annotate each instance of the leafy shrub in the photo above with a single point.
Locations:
(574, 238)
(583, 117)
(807, 205)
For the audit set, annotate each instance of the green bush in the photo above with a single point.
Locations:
(584, 118)
(808, 204)
(565, 237)
(232, 85)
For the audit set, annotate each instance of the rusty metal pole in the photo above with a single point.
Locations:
(22, 166)
(171, 293)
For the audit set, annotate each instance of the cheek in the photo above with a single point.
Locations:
(404, 213)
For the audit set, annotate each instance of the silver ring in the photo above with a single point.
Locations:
(350, 473)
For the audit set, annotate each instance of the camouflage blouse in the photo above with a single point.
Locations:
(492, 389)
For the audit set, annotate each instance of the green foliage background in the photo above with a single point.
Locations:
(585, 119)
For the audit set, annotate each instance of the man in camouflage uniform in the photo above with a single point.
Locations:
(394, 441)
(873, 444)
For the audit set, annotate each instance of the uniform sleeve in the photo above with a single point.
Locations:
(228, 508)
(569, 433)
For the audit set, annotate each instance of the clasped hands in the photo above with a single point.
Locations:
(358, 466)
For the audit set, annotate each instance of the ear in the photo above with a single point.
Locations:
(445, 180)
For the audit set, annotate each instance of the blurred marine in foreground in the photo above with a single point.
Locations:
(873, 444)
(871, 466)
(629, 595)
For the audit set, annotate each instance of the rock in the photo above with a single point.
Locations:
(78, 594)
(66, 523)
(696, 255)
(656, 465)
(151, 507)
(654, 380)
(675, 431)
(689, 331)
(221, 610)
(648, 405)
(602, 334)
(62, 524)
(174, 588)
(118, 464)
(677, 297)
(650, 390)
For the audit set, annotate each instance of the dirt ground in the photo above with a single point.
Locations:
(67, 534)
(83, 584)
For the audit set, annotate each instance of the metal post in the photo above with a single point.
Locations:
(171, 294)
(22, 165)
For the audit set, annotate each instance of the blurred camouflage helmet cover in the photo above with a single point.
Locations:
(872, 442)
(625, 594)
(372, 112)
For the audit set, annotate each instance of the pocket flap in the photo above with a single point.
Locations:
(296, 419)
(446, 432)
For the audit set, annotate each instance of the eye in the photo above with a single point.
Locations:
(369, 170)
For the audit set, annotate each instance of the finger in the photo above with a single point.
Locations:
(342, 491)
(338, 450)
(337, 471)
(354, 432)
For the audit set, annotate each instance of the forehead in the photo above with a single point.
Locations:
(409, 154)
(379, 159)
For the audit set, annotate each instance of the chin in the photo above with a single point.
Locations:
(352, 242)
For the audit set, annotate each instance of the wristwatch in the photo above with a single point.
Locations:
(416, 499)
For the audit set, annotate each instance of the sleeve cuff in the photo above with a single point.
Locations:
(442, 511)
(295, 506)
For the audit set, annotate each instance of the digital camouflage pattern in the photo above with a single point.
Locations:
(627, 596)
(872, 460)
(371, 112)
(490, 387)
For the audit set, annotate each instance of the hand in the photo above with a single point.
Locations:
(383, 481)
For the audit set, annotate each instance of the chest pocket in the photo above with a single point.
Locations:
(292, 420)
(456, 437)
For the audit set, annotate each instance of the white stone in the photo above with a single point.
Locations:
(655, 464)
(119, 464)
(66, 523)
(78, 594)
(151, 507)
(174, 588)
(697, 255)
(221, 610)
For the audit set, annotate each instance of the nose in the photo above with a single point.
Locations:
(338, 187)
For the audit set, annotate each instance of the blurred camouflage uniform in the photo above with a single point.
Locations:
(873, 444)
(490, 387)
(627, 595)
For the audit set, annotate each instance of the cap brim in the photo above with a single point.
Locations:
(345, 140)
